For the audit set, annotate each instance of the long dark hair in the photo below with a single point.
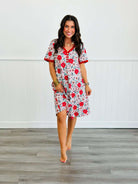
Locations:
(76, 38)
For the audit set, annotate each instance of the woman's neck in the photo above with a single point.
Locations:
(67, 42)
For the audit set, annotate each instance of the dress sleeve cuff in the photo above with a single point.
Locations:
(48, 60)
(83, 61)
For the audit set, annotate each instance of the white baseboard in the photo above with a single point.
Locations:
(79, 124)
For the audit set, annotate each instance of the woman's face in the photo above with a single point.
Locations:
(69, 28)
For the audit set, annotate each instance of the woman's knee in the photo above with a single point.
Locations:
(62, 115)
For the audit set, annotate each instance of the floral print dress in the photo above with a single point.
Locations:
(67, 68)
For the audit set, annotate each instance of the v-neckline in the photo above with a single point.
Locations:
(69, 49)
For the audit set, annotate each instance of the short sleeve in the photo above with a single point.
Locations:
(83, 57)
(49, 56)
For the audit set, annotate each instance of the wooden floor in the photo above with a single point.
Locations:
(98, 156)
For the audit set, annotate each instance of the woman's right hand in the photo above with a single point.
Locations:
(59, 88)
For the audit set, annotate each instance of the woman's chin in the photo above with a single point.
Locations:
(68, 36)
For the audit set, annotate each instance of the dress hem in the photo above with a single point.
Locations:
(74, 116)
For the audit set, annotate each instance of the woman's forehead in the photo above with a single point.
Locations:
(69, 22)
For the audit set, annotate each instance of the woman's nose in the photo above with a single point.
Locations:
(69, 28)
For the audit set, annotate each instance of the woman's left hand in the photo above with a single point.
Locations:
(88, 90)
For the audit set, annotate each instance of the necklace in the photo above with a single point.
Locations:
(68, 44)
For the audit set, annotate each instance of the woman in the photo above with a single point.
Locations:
(66, 56)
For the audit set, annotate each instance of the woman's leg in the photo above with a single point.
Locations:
(71, 125)
(61, 123)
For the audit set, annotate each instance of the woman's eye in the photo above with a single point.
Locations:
(71, 26)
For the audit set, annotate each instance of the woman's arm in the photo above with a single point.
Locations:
(84, 76)
(59, 86)
(52, 70)
(83, 72)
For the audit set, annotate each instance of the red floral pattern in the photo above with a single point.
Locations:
(67, 67)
